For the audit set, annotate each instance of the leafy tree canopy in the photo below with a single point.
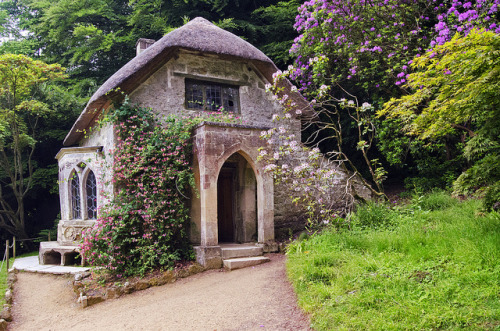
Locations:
(21, 111)
(94, 38)
(455, 88)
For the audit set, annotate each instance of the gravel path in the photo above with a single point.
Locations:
(256, 298)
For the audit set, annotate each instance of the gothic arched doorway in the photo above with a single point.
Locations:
(236, 201)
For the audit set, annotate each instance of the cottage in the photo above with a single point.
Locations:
(196, 68)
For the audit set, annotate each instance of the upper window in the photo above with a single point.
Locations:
(211, 96)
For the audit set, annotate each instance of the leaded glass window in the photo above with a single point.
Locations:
(211, 96)
(91, 188)
(75, 196)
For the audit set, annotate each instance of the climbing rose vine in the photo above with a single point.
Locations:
(145, 224)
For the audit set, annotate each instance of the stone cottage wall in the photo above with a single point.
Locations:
(104, 137)
(165, 91)
(290, 217)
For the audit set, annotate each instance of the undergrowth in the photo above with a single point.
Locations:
(430, 264)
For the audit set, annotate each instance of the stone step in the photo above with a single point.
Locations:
(230, 251)
(244, 262)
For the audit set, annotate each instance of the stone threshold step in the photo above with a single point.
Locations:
(243, 262)
(240, 251)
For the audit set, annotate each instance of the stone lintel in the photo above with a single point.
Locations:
(78, 150)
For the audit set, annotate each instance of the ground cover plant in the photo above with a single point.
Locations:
(430, 264)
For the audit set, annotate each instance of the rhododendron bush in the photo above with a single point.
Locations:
(145, 225)
(369, 45)
(362, 51)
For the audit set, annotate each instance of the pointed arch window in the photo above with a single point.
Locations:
(75, 197)
(91, 190)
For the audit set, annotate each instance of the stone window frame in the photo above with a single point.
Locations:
(85, 188)
(228, 93)
(76, 213)
(82, 172)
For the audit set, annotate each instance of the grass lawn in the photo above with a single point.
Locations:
(432, 264)
(3, 276)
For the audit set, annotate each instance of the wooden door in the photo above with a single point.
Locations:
(225, 205)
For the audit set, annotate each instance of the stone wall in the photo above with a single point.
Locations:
(290, 217)
(164, 91)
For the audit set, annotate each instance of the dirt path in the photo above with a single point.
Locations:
(257, 298)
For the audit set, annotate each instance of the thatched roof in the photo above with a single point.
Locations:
(197, 35)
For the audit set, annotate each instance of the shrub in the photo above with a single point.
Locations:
(373, 215)
(436, 200)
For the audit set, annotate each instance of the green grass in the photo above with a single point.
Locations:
(433, 264)
(3, 276)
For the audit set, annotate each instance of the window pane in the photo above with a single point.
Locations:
(230, 97)
(91, 188)
(213, 97)
(194, 95)
(75, 196)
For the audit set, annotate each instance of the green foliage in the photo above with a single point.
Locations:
(455, 90)
(373, 215)
(95, 38)
(22, 109)
(437, 200)
(90, 37)
(145, 224)
(435, 268)
(449, 95)
(491, 199)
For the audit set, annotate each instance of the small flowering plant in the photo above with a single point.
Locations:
(145, 224)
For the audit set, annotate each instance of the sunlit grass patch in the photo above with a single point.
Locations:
(4, 274)
(433, 267)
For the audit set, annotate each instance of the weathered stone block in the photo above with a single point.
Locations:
(269, 247)
(11, 279)
(141, 285)
(5, 314)
(244, 262)
(167, 277)
(128, 288)
(92, 300)
(8, 296)
(209, 256)
(77, 286)
(182, 273)
(113, 292)
(195, 269)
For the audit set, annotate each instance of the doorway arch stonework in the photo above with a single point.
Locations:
(213, 144)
